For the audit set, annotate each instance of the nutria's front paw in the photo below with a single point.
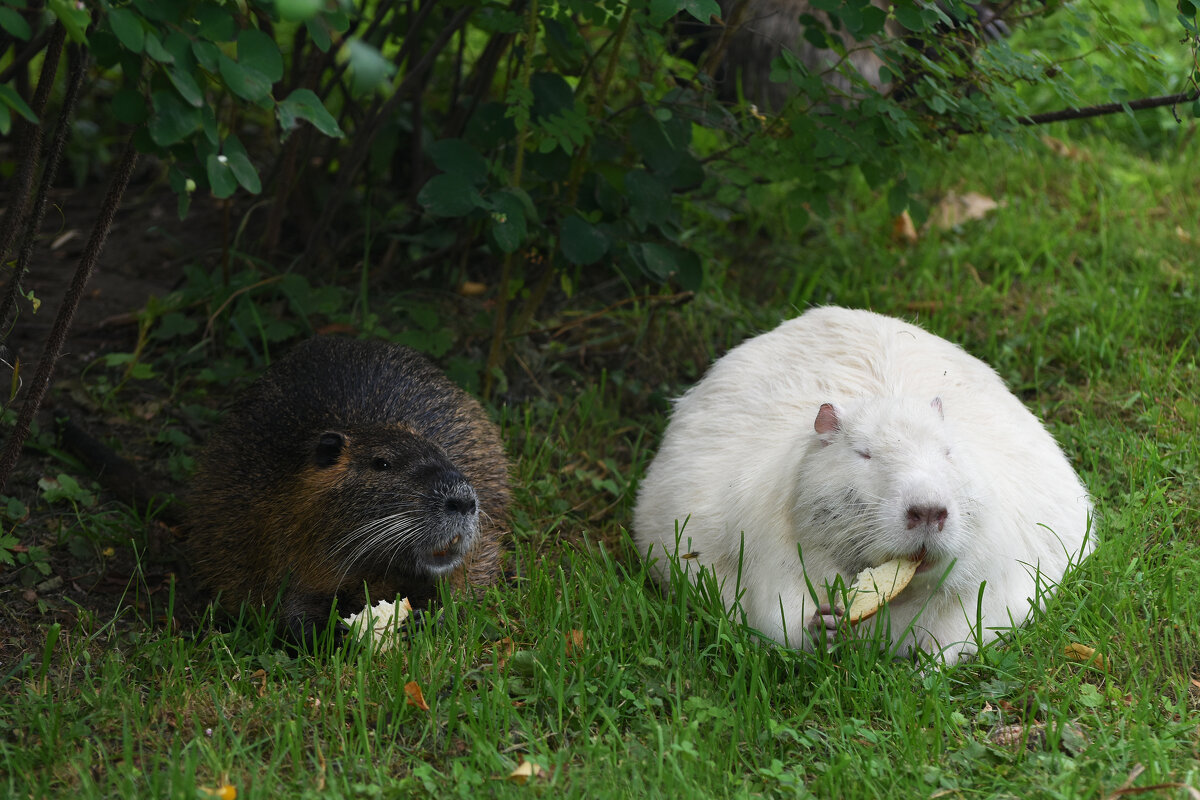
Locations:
(826, 626)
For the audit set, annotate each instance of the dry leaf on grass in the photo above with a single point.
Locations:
(503, 648)
(524, 771)
(225, 792)
(574, 642)
(1085, 654)
(471, 288)
(903, 230)
(954, 209)
(1064, 150)
(414, 696)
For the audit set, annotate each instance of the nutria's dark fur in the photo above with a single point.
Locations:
(348, 462)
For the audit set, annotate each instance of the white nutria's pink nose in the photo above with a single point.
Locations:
(927, 516)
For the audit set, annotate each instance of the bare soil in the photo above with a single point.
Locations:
(146, 249)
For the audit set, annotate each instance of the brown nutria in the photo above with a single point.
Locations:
(348, 462)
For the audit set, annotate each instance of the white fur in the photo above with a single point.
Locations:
(743, 471)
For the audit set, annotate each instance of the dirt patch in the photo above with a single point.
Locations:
(123, 567)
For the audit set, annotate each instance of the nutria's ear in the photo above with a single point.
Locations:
(937, 406)
(329, 448)
(827, 423)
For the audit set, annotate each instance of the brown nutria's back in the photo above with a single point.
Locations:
(348, 462)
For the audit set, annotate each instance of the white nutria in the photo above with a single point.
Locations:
(848, 438)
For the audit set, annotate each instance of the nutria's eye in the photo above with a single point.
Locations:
(381, 464)
(864, 454)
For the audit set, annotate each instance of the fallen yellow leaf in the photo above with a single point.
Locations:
(414, 695)
(1085, 654)
(574, 642)
(955, 209)
(524, 771)
(225, 792)
(903, 230)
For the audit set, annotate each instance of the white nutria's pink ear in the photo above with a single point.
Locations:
(827, 424)
(937, 406)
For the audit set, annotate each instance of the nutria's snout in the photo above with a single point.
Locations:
(454, 513)
(928, 517)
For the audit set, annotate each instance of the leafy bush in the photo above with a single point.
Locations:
(551, 143)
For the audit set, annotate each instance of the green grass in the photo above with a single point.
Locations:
(1083, 290)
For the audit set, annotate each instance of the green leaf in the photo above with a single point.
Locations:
(156, 50)
(318, 30)
(241, 166)
(298, 10)
(369, 70)
(169, 11)
(450, 196)
(173, 120)
(128, 106)
(581, 242)
(663, 10)
(127, 27)
(908, 15)
(208, 55)
(551, 94)
(656, 260)
(208, 122)
(257, 51)
(304, 104)
(508, 220)
(248, 84)
(220, 176)
(10, 98)
(73, 18)
(186, 85)
(457, 157)
(14, 23)
(649, 200)
(661, 144)
(216, 22)
(5, 120)
(183, 186)
(703, 10)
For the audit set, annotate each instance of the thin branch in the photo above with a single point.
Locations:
(1110, 108)
(28, 148)
(77, 67)
(66, 312)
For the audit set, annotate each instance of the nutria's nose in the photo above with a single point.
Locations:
(930, 516)
(460, 499)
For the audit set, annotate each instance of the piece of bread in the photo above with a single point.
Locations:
(380, 623)
(875, 586)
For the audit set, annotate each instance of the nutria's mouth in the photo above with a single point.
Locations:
(924, 562)
(451, 550)
(446, 558)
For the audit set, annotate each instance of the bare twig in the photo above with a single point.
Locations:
(77, 59)
(712, 61)
(66, 312)
(1110, 108)
(28, 147)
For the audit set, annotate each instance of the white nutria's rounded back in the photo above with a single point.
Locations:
(843, 439)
